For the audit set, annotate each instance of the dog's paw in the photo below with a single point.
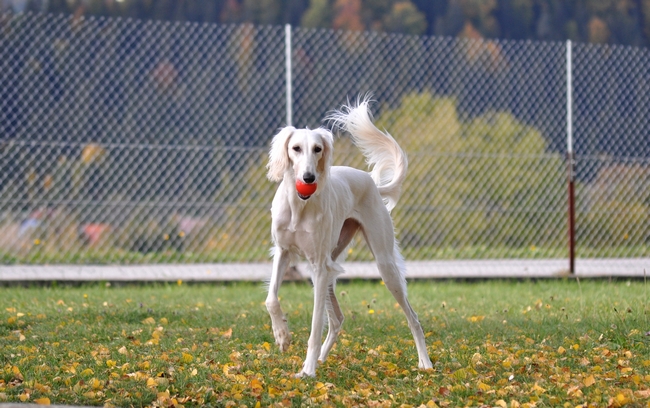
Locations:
(304, 374)
(308, 367)
(425, 364)
(282, 338)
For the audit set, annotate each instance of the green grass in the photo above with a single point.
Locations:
(499, 343)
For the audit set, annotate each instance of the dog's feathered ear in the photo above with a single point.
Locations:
(328, 148)
(278, 155)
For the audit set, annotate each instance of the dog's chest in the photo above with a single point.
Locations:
(297, 230)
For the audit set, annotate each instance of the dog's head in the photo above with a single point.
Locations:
(303, 154)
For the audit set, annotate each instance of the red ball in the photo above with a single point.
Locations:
(304, 189)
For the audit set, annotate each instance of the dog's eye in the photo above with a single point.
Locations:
(297, 149)
(318, 149)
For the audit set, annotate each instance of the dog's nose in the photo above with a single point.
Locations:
(308, 178)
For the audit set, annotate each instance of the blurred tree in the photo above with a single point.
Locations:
(645, 17)
(516, 18)
(479, 13)
(405, 18)
(347, 15)
(232, 12)
(262, 11)
(625, 23)
(617, 189)
(292, 11)
(448, 202)
(164, 9)
(433, 12)
(452, 21)
(318, 15)
(598, 31)
(613, 21)
(602, 21)
(599, 7)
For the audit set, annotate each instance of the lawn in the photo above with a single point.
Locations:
(493, 343)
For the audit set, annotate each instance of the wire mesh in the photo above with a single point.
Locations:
(126, 141)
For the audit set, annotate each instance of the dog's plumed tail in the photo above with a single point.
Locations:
(387, 160)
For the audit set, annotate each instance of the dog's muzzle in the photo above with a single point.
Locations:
(305, 190)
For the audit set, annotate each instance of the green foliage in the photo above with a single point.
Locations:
(262, 11)
(405, 18)
(318, 15)
(619, 21)
(489, 180)
(616, 209)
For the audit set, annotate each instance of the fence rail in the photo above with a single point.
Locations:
(126, 141)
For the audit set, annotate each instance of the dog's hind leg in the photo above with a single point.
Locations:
(394, 279)
(281, 261)
(397, 286)
(391, 268)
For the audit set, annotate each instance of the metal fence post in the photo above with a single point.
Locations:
(570, 157)
(287, 54)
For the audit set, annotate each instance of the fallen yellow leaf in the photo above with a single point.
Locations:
(87, 372)
(96, 384)
(186, 358)
(538, 390)
(483, 387)
(149, 320)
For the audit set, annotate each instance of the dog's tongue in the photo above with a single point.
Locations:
(305, 190)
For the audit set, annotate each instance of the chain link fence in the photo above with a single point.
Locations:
(126, 141)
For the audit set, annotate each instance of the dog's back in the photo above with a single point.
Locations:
(386, 158)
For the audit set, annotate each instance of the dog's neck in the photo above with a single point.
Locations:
(298, 205)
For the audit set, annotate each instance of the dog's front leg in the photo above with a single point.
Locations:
(335, 321)
(281, 332)
(321, 281)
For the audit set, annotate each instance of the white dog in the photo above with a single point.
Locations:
(320, 219)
